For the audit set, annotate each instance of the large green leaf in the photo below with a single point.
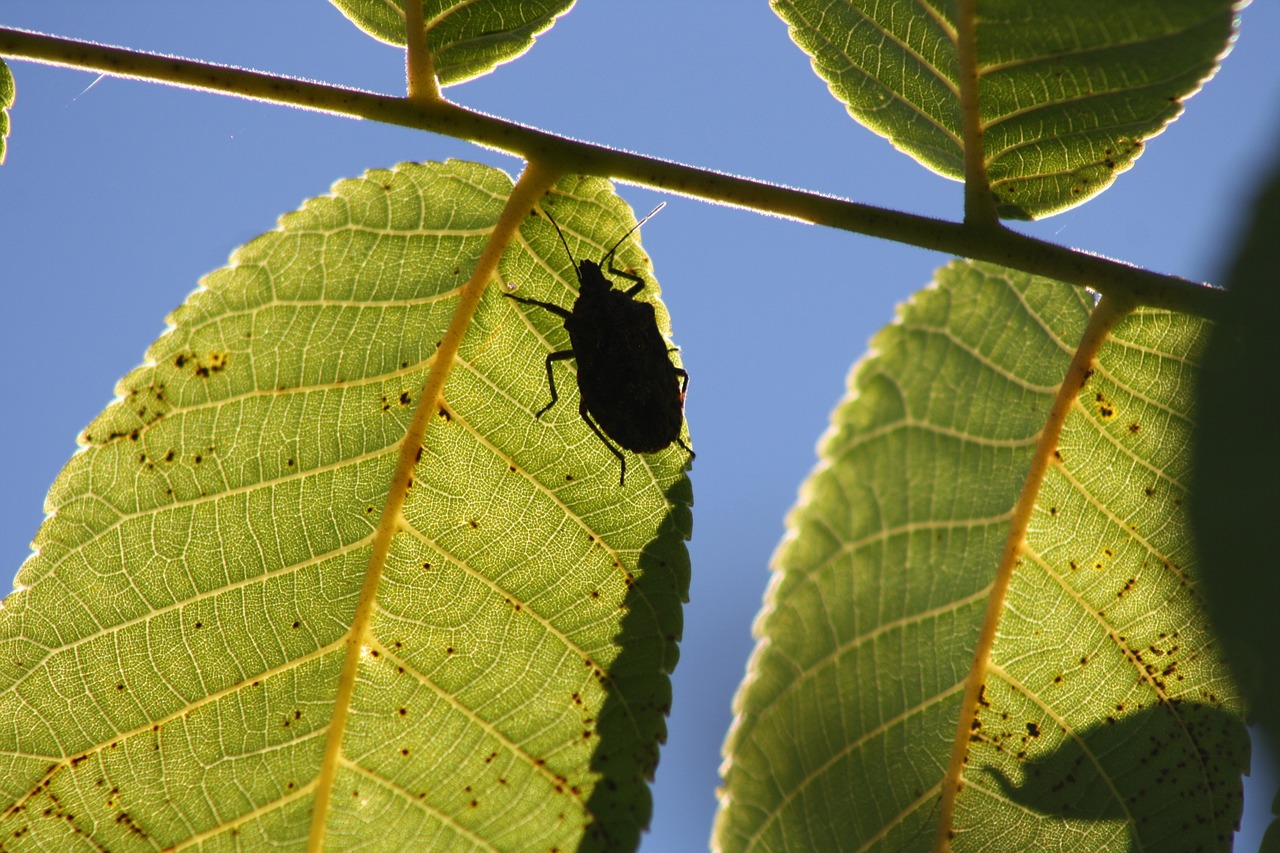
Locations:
(170, 661)
(1069, 90)
(467, 38)
(1107, 720)
(1237, 469)
(7, 92)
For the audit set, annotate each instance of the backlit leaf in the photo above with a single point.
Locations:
(468, 38)
(1107, 720)
(170, 662)
(7, 91)
(1069, 90)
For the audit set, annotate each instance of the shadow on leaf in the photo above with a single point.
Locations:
(632, 720)
(1166, 772)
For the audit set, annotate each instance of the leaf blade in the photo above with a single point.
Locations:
(205, 553)
(467, 39)
(1068, 93)
(7, 93)
(846, 721)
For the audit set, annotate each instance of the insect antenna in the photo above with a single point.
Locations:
(563, 242)
(608, 254)
(647, 217)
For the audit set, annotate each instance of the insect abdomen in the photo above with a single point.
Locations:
(625, 375)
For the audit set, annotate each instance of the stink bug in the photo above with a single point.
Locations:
(629, 390)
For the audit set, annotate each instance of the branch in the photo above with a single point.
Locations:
(981, 242)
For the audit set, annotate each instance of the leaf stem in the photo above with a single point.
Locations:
(420, 71)
(979, 204)
(1108, 312)
(977, 241)
(536, 179)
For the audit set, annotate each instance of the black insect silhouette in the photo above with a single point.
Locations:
(629, 390)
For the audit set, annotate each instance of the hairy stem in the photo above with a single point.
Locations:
(981, 242)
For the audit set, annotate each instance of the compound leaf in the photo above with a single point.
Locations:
(1069, 90)
(467, 38)
(1107, 720)
(170, 662)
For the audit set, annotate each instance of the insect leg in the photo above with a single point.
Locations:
(622, 460)
(551, 380)
(554, 309)
(684, 382)
(633, 289)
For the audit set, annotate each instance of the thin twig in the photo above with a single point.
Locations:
(980, 242)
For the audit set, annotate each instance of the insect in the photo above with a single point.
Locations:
(629, 390)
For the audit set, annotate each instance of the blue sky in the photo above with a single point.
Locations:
(118, 195)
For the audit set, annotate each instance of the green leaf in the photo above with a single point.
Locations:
(1107, 721)
(7, 92)
(468, 38)
(170, 661)
(1069, 90)
(1237, 468)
